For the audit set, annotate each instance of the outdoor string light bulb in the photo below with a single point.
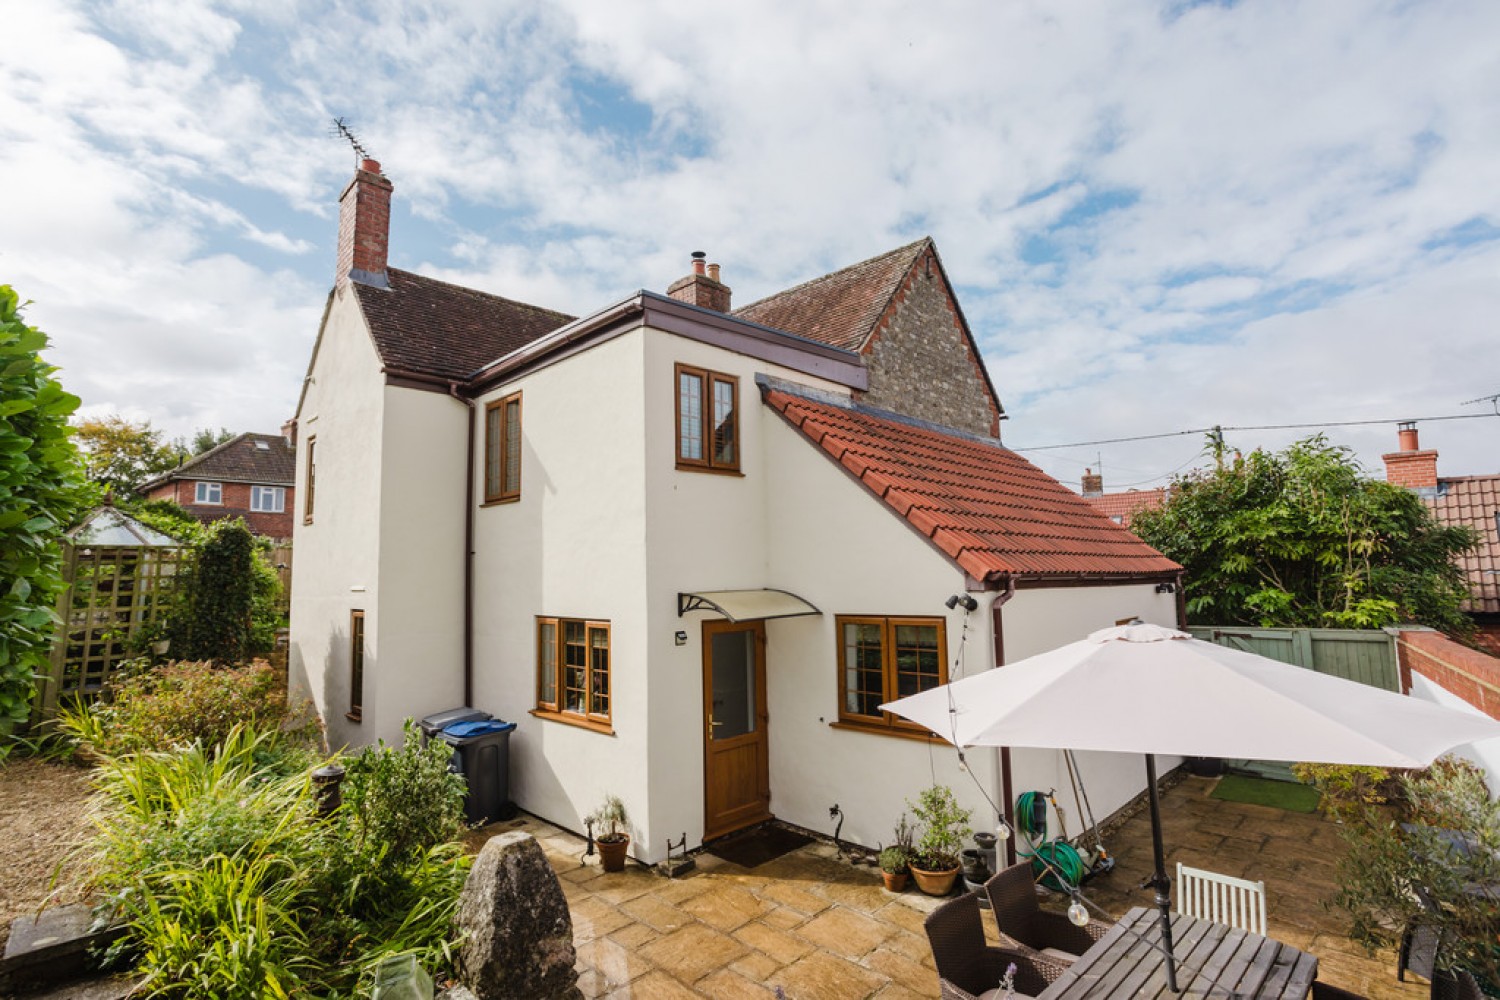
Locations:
(1078, 914)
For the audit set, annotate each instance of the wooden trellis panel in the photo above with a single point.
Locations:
(112, 594)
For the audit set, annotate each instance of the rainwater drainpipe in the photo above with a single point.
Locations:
(1006, 791)
(468, 550)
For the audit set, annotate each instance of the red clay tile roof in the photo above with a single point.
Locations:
(1475, 501)
(241, 459)
(991, 511)
(1124, 505)
(841, 308)
(430, 327)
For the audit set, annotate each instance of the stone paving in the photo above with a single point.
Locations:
(814, 926)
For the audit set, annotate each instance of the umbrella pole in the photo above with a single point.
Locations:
(1159, 880)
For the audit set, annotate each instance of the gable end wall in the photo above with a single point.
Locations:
(920, 361)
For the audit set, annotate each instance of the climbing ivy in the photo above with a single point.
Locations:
(213, 616)
(41, 489)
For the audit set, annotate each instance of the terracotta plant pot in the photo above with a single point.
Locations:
(938, 883)
(895, 881)
(612, 852)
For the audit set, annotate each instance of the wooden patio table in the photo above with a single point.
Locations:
(1213, 960)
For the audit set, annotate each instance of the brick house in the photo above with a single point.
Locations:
(1122, 506)
(688, 549)
(1473, 501)
(250, 476)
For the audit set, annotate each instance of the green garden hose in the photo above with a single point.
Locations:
(1053, 861)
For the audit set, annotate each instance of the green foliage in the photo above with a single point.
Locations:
(944, 826)
(40, 492)
(180, 703)
(1390, 857)
(894, 860)
(121, 455)
(611, 813)
(1301, 538)
(165, 516)
(403, 800)
(214, 616)
(233, 886)
(1344, 788)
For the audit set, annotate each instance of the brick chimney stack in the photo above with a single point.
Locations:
(1411, 467)
(1093, 485)
(702, 288)
(365, 227)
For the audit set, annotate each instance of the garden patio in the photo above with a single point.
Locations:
(816, 926)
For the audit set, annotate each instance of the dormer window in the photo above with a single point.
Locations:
(708, 433)
(208, 493)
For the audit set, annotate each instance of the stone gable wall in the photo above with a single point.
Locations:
(920, 363)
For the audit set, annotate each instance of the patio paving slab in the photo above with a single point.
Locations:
(818, 927)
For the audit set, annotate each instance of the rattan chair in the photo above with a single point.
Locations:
(1455, 986)
(968, 967)
(1326, 991)
(1022, 921)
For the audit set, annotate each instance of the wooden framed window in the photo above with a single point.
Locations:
(356, 665)
(312, 480)
(502, 450)
(573, 671)
(708, 431)
(882, 659)
(208, 493)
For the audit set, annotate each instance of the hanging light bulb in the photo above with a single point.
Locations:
(1078, 914)
(1003, 830)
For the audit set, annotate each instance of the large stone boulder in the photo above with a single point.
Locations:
(519, 934)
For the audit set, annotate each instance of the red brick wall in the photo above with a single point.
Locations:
(1412, 469)
(236, 503)
(1467, 673)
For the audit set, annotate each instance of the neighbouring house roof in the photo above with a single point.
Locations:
(263, 459)
(841, 308)
(430, 327)
(1121, 507)
(991, 511)
(109, 527)
(1474, 501)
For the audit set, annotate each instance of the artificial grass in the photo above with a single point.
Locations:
(1286, 795)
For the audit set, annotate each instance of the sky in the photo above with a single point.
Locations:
(1160, 216)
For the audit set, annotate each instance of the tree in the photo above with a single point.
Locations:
(1301, 538)
(214, 613)
(203, 439)
(41, 489)
(122, 455)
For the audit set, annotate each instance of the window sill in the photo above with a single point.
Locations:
(354, 716)
(578, 721)
(688, 467)
(501, 501)
(902, 733)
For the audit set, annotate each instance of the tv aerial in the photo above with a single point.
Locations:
(341, 129)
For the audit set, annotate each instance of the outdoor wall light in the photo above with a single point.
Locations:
(964, 601)
(1166, 588)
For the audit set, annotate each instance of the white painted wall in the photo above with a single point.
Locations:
(337, 564)
(572, 546)
(422, 481)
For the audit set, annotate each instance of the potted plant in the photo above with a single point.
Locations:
(895, 860)
(614, 842)
(944, 825)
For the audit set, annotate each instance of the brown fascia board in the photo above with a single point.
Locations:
(652, 309)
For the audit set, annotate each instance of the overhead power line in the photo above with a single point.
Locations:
(1257, 427)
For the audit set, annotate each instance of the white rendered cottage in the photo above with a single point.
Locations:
(687, 550)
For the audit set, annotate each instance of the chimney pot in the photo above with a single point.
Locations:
(713, 272)
(1406, 435)
(1093, 485)
(369, 165)
(698, 266)
(1410, 466)
(702, 287)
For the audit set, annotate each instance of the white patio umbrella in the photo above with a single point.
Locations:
(1147, 689)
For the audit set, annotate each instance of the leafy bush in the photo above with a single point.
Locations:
(1444, 841)
(1344, 788)
(233, 886)
(944, 826)
(41, 488)
(213, 616)
(403, 798)
(180, 703)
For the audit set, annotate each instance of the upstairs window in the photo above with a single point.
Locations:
(708, 433)
(502, 450)
(212, 493)
(268, 499)
(882, 659)
(312, 480)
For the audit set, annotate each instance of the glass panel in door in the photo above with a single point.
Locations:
(733, 684)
